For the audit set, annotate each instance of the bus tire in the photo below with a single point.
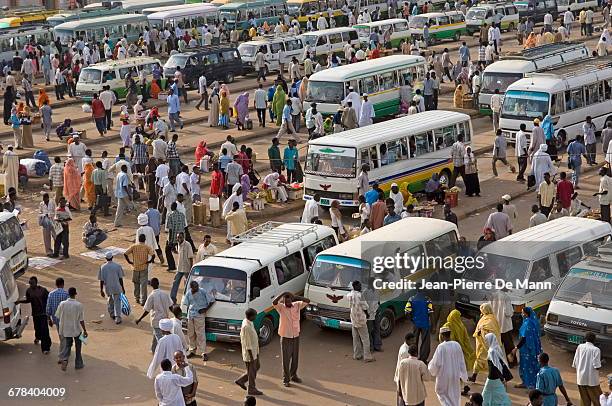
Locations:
(229, 77)
(444, 176)
(266, 331)
(457, 36)
(387, 323)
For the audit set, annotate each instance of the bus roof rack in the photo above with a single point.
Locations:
(544, 51)
(578, 67)
(271, 233)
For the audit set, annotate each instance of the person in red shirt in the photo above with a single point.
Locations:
(216, 181)
(99, 114)
(565, 190)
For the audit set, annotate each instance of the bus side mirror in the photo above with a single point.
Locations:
(256, 293)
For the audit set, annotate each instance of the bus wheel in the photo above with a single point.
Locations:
(229, 77)
(387, 322)
(457, 36)
(265, 331)
(444, 177)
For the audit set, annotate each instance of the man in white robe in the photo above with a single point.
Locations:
(366, 117)
(397, 197)
(311, 209)
(229, 204)
(542, 164)
(503, 311)
(448, 366)
(166, 347)
(10, 165)
(353, 97)
(76, 151)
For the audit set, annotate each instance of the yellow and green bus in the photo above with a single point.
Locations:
(398, 27)
(442, 26)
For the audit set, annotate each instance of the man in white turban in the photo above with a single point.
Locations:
(353, 97)
(542, 164)
(149, 233)
(448, 366)
(166, 347)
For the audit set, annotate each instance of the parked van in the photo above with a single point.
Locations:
(270, 259)
(446, 25)
(583, 303)
(398, 28)
(503, 14)
(217, 62)
(277, 51)
(11, 324)
(543, 253)
(112, 73)
(576, 6)
(336, 268)
(322, 42)
(537, 9)
(13, 244)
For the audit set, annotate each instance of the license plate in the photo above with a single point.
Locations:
(211, 336)
(573, 339)
(330, 322)
(325, 202)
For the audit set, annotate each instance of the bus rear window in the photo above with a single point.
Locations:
(8, 280)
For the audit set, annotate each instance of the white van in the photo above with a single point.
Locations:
(576, 6)
(543, 254)
(112, 73)
(11, 324)
(504, 14)
(332, 40)
(583, 303)
(336, 268)
(270, 259)
(13, 244)
(277, 51)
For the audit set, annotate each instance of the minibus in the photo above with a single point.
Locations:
(443, 25)
(398, 27)
(540, 254)
(187, 17)
(406, 151)
(503, 14)
(278, 50)
(241, 15)
(336, 268)
(11, 323)
(331, 40)
(93, 29)
(569, 93)
(382, 79)
(268, 260)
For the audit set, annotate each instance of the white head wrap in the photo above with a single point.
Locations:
(165, 324)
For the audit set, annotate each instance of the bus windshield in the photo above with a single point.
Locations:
(90, 76)
(156, 22)
(247, 50)
(293, 9)
(325, 92)
(310, 39)
(586, 287)
(417, 22)
(225, 284)
(335, 162)
(476, 14)
(338, 272)
(525, 105)
(498, 80)
(229, 16)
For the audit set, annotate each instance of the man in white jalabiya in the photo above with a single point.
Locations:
(311, 209)
(169, 386)
(398, 198)
(10, 166)
(503, 311)
(229, 204)
(147, 230)
(542, 164)
(166, 347)
(353, 97)
(366, 117)
(448, 366)
(76, 151)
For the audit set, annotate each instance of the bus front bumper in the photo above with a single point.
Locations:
(568, 339)
(326, 200)
(327, 322)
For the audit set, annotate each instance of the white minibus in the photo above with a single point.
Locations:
(384, 80)
(331, 40)
(277, 50)
(270, 259)
(576, 6)
(540, 254)
(406, 151)
(336, 268)
(11, 323)
(187, 17)
(501, 74)
(13, 243)
(569, 93)
(583, 303)
(398, 28)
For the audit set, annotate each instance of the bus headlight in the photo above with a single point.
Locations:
(312, 308)
(552, 318)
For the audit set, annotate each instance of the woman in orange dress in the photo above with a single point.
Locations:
(42, 96)
(90, 189)
(72, 184)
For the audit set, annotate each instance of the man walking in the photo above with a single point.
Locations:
(71, 329)
(496, 104)
(448, 366)
(546, 195)
(587, 361)
(499, 152)
(182, 368)
(260, 103)
(499, 222)
(457, 155)
(203, 92)
(503, 311)
(274, 156)
(57, 296)
(158, 306)
(358, 314)
(169, 386)
(411, 376)
(588, 130)
(174, 110)
(142, 255)
(286, 121)
(548, 380)
(37, 297)
(197, 301)
(289, 332)
(249, 340)
(121, 194)
(418, 308)
(521, 150)
(111, 280)
(575, 151)
(184, 264)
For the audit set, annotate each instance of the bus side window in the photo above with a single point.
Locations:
(557, 106)
(607, 84)
(574, 99)
(404, 149)
(374, 157)
(369, 85)
(387, 81)
(322, 40)
(364, 157)
(592, 94)
(312, 250)
(421, 144)
(465, 129)
(289, 267)
(393, 151)
(260, 279)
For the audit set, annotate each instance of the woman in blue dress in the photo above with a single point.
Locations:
(529, 347)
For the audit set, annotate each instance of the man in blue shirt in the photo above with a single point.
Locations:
(548, 380)
(56, 296)
(197, 302)
(121, 193)
(464, 54)
(391, 216)
(418, 308)
(290, 158)
(371, 196)
(287, 123)
(428, 92)
(154, 217)
(575, 151)
(174, 109)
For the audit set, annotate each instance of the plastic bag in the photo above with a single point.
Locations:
(86, 108)
(125, 305)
